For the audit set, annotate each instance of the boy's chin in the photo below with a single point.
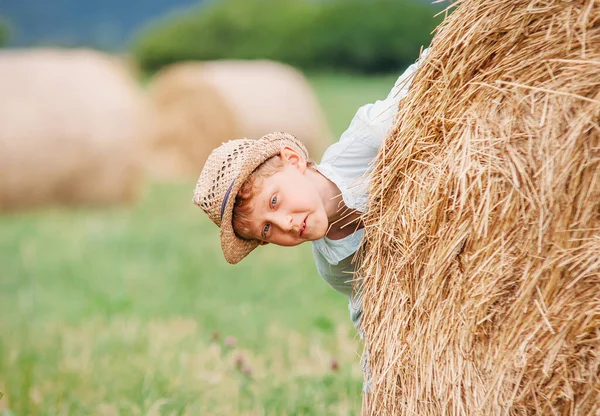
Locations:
(318, 235)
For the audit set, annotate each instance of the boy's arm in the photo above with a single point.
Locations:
(373, 121)
(403, 82)
(348, 160)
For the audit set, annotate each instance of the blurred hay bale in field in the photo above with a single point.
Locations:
(200, 105)
(482, 259)
(70, 126)
(191, 118)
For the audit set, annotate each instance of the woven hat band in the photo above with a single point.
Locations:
(225, 198)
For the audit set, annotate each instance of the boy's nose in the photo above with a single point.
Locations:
(286, 222)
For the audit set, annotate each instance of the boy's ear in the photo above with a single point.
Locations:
(263, 243)
(292, 157)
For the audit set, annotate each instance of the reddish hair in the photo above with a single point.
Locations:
(243, 201)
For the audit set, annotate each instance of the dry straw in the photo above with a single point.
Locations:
(199, 105)
(482, 260)
(71, 126)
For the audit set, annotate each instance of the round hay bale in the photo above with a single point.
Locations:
(70, 124)
(481, 270)
(200, 105)
(191, 119)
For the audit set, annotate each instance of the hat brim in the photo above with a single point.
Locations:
(235, 248)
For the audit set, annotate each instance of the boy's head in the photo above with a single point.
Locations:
(230, 181)
(279, 202)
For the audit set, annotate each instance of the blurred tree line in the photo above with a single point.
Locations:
(4, 31)
(366, 36)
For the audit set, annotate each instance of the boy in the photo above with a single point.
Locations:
(268, 191)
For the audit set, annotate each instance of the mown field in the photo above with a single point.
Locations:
(134, 311)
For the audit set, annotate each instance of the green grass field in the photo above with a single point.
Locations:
(134, 311)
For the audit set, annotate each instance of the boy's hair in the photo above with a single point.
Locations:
(243, 201)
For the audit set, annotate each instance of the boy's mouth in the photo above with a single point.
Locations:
(303, 227)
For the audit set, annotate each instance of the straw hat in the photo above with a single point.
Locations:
(224, 172)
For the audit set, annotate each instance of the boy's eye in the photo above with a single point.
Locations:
(273, 201)
(266, 230)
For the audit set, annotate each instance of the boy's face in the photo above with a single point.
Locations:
(288, 209)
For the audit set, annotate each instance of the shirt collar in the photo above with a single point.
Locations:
(335, 251)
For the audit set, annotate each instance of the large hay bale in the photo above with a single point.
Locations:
(200, 105)
(482, 259)
(70, 126)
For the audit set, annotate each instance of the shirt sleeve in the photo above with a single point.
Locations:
(348, 161)
(372, 122)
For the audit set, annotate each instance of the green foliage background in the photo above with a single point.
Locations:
(4, 31)
(367, 36)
